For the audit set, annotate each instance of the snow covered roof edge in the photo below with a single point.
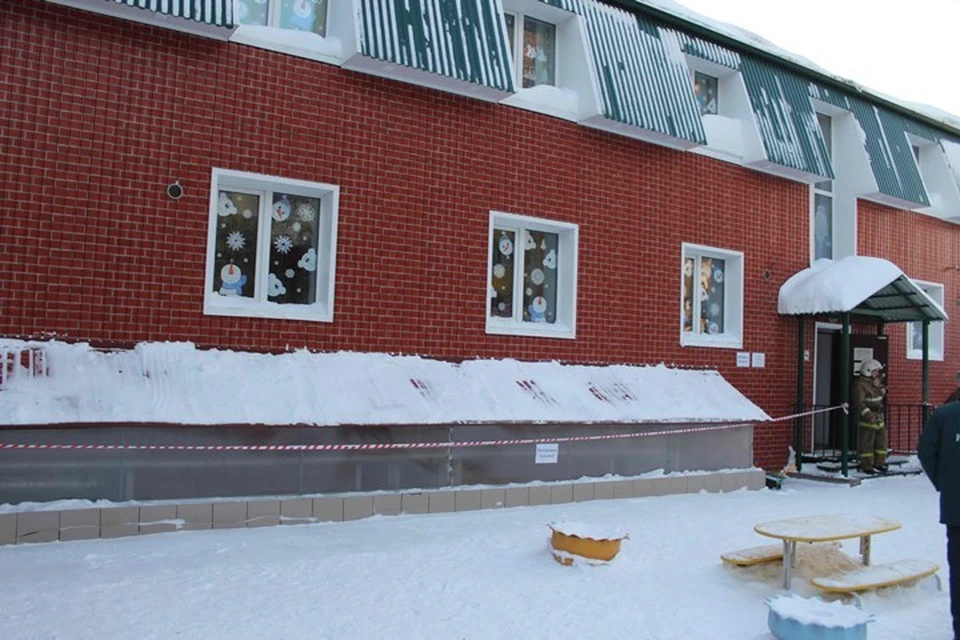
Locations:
(752, 42)
(175, 382)
(842, 285)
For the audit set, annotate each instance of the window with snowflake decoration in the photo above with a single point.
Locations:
(271, 247)
(534, 49)
(531, 277)
(711, 298)
(299, 15)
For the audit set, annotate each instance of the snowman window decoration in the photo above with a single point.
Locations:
(524, 261)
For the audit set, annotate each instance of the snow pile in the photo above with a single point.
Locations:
(813, 611)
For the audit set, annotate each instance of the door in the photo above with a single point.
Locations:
(862, 347)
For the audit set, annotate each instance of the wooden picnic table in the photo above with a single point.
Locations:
(824, 528)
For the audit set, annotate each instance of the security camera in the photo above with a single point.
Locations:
(174, 190)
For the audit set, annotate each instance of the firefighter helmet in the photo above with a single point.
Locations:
(869, 366)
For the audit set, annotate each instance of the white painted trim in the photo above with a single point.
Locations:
(259, 306)
(304, 45)
(938, 180)
(565, 325)
(733, 298)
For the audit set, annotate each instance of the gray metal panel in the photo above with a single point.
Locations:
(119, 475)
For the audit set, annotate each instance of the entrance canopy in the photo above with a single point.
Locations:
(871, 289)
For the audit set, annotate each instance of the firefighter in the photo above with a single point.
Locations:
(868, 395)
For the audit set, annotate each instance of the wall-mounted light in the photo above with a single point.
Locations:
(174, 190)
(767, 274)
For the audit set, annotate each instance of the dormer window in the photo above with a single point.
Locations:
(706, 90)
(298, 15)
(823, 199)
(534, 49)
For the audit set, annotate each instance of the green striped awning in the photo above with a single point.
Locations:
(700, 48)
(640, 83)
(786, 119)
(886, 144)
(465, 40)
(217, 13)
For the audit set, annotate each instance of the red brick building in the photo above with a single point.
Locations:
(405, 184)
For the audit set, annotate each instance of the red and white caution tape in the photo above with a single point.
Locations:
(393, 445)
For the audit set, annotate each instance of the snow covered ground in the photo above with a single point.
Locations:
(472, 575)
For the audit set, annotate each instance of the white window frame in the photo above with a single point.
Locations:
(273, 17)
(732, 336)
(565, 325)
(260, 307)
(936, 333)
(519, 15)
(817, 190)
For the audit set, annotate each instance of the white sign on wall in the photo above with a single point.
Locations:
(547, 453)
(743, 359)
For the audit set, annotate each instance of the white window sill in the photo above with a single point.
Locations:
(290, 41)
(245, 308)
(531, 329)
(918, 355)
(546, 99)
(718, 342)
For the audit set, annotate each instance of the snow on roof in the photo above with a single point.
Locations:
(177, 383)
(754, 41)
(842, 285)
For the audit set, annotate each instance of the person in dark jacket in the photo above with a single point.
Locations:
(955, 394)
(939, 454)
(868, 396)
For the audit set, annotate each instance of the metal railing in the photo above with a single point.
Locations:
(822, 435)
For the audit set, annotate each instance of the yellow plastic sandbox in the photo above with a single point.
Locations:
(597, 549)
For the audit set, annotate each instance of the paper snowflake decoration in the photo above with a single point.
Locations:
(283, 244)
(306, 212)
(236, 241)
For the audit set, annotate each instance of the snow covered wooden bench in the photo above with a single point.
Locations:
(878, 575)
(753, 555)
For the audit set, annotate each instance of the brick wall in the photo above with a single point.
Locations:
(101, 114)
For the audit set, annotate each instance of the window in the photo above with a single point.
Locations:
(822, 224)
(707, 93)
(531, 276)
(271, 247)
(915, 329)
(300, 15)
(534, 49)
(711, 297)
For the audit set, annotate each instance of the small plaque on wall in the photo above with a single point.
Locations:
(547, 453)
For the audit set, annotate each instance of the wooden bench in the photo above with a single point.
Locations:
(876, 576)
(754, 555)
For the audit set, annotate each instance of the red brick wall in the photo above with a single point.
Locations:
(926, 249)
(101, 114)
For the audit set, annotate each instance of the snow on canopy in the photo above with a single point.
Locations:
(843, 285)
(175, 382)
